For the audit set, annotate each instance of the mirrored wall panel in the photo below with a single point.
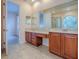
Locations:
(56, 22)
(28, 20)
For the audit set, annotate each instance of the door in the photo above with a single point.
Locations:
(12, 36)
(70, 46)
(29, 37)
(54, 43)
(12, 23)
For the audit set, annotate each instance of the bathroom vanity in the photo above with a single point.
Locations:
(64, 44)
(61, 43)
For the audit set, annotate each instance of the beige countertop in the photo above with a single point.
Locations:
(46, 31)
(64, 31)
(37, 31)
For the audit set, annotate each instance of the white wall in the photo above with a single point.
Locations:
(25, 10)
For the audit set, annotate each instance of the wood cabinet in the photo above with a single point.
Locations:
(54, 43)
(63, 44)
(34, 38)
(28, 37)
(70, 46)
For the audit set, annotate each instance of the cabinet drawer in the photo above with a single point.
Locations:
(34, 42)
(41, 35)
(54, 43)
(55, 34)
(70, 46)
(71, 36)
(33, 35)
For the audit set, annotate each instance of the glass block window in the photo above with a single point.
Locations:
(70, 22)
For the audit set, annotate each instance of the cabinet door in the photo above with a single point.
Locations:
(62, 45)
(28, 37)
(34, 39)
(70, 46)
(54, 43)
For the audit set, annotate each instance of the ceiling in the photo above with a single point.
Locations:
(42, 5)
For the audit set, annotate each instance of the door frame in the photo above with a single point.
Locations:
(3, 25)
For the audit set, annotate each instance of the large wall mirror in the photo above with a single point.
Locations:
(64, 16)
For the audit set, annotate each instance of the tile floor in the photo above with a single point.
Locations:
(28, 51)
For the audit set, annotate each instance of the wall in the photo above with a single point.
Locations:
(25, 10)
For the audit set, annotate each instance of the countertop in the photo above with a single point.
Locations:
(46, 31)
(38, 31)
(64, 31)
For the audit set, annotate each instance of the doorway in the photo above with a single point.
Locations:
(12, 24)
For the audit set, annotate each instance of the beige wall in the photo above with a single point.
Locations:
(25, 10)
